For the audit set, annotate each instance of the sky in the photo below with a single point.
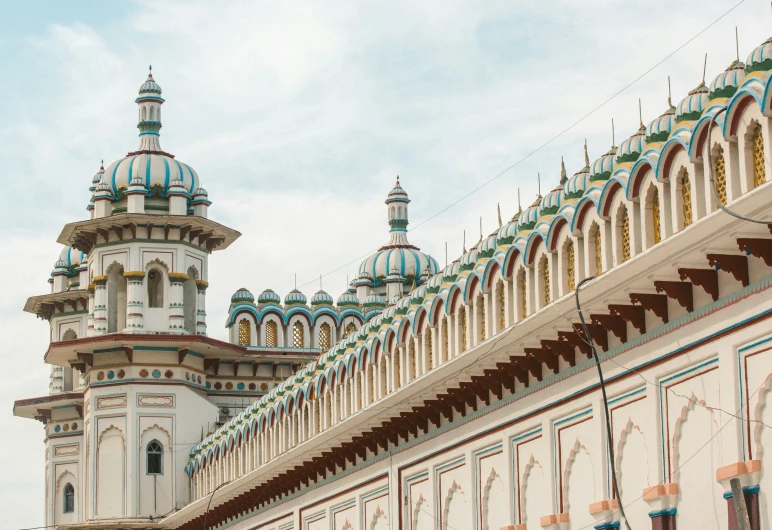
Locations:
(298, 116)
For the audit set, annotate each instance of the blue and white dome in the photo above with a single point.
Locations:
(434, 283)
(631, 148)
(97, 178)
(295, 297)
(321, 297)
(488, 246)
(375, 300)
(725, 84)
(760, 59)
(409, 261)
(469, 259)
(269, 297)
(149, 86)
(242, 295)
(551, 202)
(72, 257)
(452, 270)
(347, 299)
(576, 185)
(602, 168)
(507, 233)
(530, 215)
(659, 129)
(690, 108)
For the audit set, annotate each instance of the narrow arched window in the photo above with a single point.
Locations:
(759, 166)
(271, 334)
(720, 174)
(155, 289)
(570, 266)
(350, 328)
(545, 274)
(429, 347)
(502, 307)
(155, 458)
(481, 312)
(523, 294)
(686, 198)
(462, 316)
(656, 229)
(69, 498)
(245, 332)
(446, 354)
(325, 337)
(597, 247)
(297, 335)
(624, 223)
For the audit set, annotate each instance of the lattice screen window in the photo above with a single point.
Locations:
(595, 231)
(545, 272)
(351, 328)
(271, 334)
(571, 265)
(523, 294)
(686, 198)
(720, 175)
(429, 346)
(655, 226)
(297, 334)
(502, 307)
(325, 337)
(759, 169)
(245, 332)
(625, 235)
(481, 302)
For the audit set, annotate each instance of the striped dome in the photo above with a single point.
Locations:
(469, 258)
(321, 297)
(691, 107)
(631, 148)
(577, 184)
(97, 178)
(488, 246)
(295, 297)
(155, 169)
(375, 300)
(507, 233)
(347, 299)
(408, 261)
(149, 86)
(268, 297)
(529, 216)
(725, 84)
(72, 257)
(760, 59)
(659, 129)
(434, 282)
(551, 202)
(242, 295)
(451, 270)
(602, 168)
(397, 192)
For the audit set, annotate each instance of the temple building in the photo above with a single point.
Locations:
(424, 398)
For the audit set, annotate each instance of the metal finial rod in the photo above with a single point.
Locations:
(669, 95)
(320, 283)
(640, 112)
(296, 280)
(704, 68)
(586, 156)
(737, 42)
(612, 133)
(519, 208)
(481, 228)
(498, 212)
(538, 184)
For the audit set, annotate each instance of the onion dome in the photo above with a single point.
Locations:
(434, 283)
(394, 277)
(631, 148)
(375, 300)
(659, 129)
(693, 104)
(530, 215)
(347, 299)
(507, 233)
(579, 181)
(242, 295)
(364, 278)
(321, 298)
(725, 84)
(760, 59)
(150, 86)
(200, 192)
(397, 191)
(268, 297)
(450, 272)
(392, 302)
(97, 178)
(403, 304)
(295, 297)
(102, 187)
(487, 247)
(469, 259)
(72, 257)
(60, 265)
(602, 168)
(551, 202)
(418, 294)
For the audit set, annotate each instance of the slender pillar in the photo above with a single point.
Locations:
(201, 286)
(176, 309)
(135, 301)
(90, 318)
(100, 305)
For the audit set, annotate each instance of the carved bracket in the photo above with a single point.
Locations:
(549, 360)
(597, 334)
(761, 248)
(681, 292)
(612, 323)
(705, 278)
(564, 349)
(575, 339)
(634, 314)
(735, 265)
(656, 303)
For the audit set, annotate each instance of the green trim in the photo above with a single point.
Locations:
(726, 92)
(689, 116)
(573, 195)
(658, 137)
(486, 253)
(433, 290)
(527, 226)
(156, 207)
(601, 176)
(120, 209)
(629, 157)
(763, 66)
(550, 210)
(505, 240)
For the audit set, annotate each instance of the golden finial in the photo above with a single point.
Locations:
(586, 156)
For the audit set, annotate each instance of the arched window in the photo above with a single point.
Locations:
(429, 346)
(69, 498)
(522, 293)
(596, 243)
(502, 307)
(624, 223)
(297, 334)
(446, 353)
(69, 335)
(350, 328)
(686, 198)
(462, 316)
(155, 288)
(271, 334)
(325, 337)
(656, 229)
(155, 458)
(570, 266)
(720, 174)
(481, 312)
(245, 332)
(545, 274)
(152, 112)
(759, 169)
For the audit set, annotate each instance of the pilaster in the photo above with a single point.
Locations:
(135, 303)
(176, 309)
(201, 286)
(100, 305)
(662, 500)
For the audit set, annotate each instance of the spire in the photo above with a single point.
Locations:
(586, 156)
(704, 68)
(519, 208)
(613, 139)
(463, 245)
(737, 43)
(640, 115)
(669, 95)
(563, 176)
(498, 212)
(149, 125)
(481, 234)
(538, 184)
(397, 202)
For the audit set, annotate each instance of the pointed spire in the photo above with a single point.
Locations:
(563, 176)
(737, 43)
(640, 114)
(586, 156)
(704, 68)
(538, 184)
(463, 245)
(498, 212)
(669, 95)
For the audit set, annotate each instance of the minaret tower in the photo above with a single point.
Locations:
(397, 202)
(149, 101)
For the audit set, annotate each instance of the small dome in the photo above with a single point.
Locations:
(137, 181)
(659, 129)
(631, 148)
(150, 86)
(72, 257)
(397, 192)
(577, 184)
(530, 215)
(403, 303)
(434, 283)
(347, 299)
(692, 105)
(102, 186)
(375, 300)
(392, 303)
(295, 297)
(268, 297)
(418, 294)
(469, 259)
(507, 233)
(408, 261)
(760, 59)
(451, 270)
(60, 264)
(551, 202)
(242, 295)
(321, 298)
(200, 192)
(176, 183)
(602, 168)
(97, 178)
(725, 84)
(488, 246)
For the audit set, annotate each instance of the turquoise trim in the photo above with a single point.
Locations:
(115, 170)
(166, 178)
(660, 513)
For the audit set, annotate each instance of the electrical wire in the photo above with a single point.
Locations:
(609, 434)
(206, 513)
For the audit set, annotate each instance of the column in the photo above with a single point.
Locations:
(606, 514)
(201, 286)
(135, 301)
(100, 305)
(90, 318)
(662, 500)
(176, 309)
(749, 473)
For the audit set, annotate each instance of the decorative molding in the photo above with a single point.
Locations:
(66, 450)
(155, 400)
(111, 402)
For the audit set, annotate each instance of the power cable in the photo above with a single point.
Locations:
(206, 513)
(609, 434)
(552, 139)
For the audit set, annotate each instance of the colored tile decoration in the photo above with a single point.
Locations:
(66, 427)
(263, 387)
(218, 386)
(111, 375)
(57, 428)
(199, 381)
(74, 426)
(240, 386)
(169, 374)
(121, 374)
(187, 376)
(143, 373)
(156, 373)
(100, 376)
(252, 386)
(229, 386)
(208, 385)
